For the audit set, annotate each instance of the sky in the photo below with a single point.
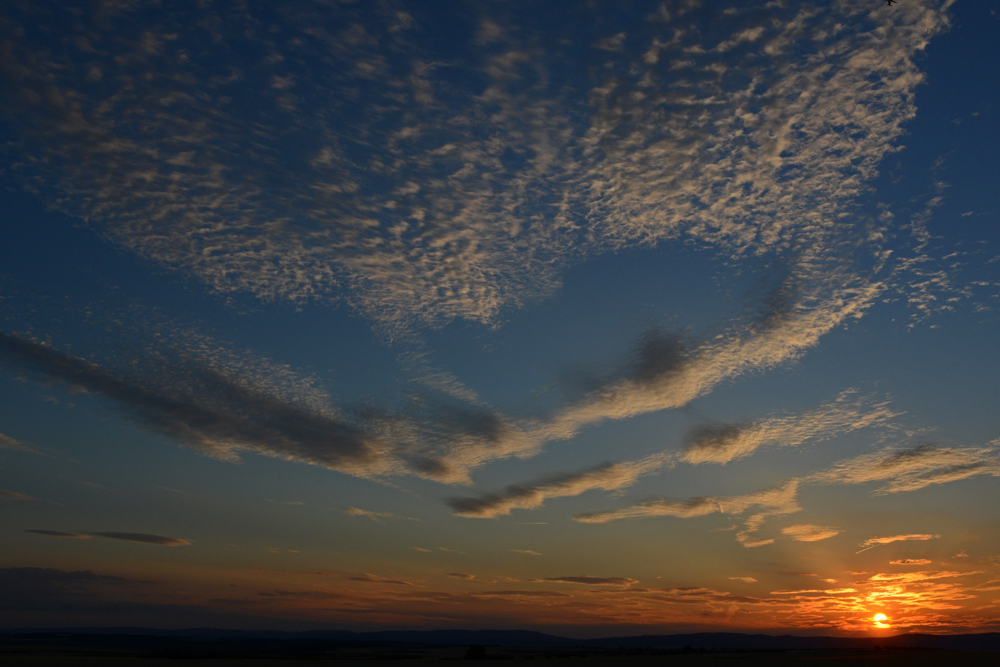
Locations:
(587, 318)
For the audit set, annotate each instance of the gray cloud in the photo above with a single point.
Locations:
(520, 594)
(57, 533)
(205, 408)
(594, 581)
(376, 516)
(146, 538)
(375, 579)
(9, 443)
(14, 495)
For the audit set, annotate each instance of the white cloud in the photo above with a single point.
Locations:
(809, 533)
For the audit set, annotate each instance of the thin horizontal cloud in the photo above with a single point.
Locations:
(460, 575)
(146, 538)
(809, 533)
(375, 579)
(876, 541)
(910, 577)
(915, 468)
(10, 444)
(910, 561)
(57, 533)
(520, 594)
(745, 580)
(722, 443)
(13, 495)
(526, 552)
(780, 499)
(594, 581)
(207, 409)
(376, 516)
(903, 470)
(607, 477)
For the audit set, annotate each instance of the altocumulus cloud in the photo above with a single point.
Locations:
(744, 170)
(398, 180)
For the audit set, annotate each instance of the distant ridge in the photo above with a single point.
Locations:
(528, 639)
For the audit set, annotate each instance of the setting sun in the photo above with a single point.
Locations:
(881, 621)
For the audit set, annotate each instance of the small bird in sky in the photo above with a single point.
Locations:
(889, 2)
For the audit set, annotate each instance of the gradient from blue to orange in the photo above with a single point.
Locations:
(652, 317)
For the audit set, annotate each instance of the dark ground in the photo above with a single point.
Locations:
(392, 657)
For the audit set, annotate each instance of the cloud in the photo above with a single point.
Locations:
(14, 495)
(146, 538)
(669, 373)
(397, 201)
(613, 43)
(459, 575)
(876, 541)
(520, 594)
(808, 533)
(607, 476)
(915, 468)
(909, 577)
(10, 444)
(375, 579)
(56, 533)
(206, 408)
(745, 580)
(910, 561)
(722, 443)
(780, 499)
(594, 581)
(526, 552)
(376, 516)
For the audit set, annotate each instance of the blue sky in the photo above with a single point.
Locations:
(659, 317)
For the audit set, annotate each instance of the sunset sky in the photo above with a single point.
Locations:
(593, 318)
